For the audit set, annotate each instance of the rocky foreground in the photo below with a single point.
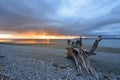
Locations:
(39, 63)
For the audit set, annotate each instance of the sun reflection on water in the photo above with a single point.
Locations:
(26, 41)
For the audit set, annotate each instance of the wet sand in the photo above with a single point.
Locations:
(47, 62)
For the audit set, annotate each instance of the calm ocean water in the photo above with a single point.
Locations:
(112, 43)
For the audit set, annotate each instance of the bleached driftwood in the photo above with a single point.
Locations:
(81, 57)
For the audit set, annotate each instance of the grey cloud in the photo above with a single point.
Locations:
(40, 15)
(15, 14)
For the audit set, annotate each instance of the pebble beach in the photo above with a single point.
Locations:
(21, 62)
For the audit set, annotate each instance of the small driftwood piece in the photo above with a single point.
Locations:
(81, 57)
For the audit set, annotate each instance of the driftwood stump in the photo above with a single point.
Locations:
(81, 57)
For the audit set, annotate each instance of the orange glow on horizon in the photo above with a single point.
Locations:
(47, 37)
(36, 35)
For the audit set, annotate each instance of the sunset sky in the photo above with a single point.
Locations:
(58, 18)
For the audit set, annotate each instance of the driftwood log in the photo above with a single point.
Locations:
(81, 57)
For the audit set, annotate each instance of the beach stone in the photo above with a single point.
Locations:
(106, 77)
(2, 56)
(55, 65)
(63, 67)
(64, 78)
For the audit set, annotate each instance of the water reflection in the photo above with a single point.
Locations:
(5, 40)
(27, 41)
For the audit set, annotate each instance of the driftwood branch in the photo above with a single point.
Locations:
(81, 57)
(95, 45)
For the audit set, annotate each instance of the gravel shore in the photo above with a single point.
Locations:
(39, 63)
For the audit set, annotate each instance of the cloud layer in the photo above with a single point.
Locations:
(71, 17)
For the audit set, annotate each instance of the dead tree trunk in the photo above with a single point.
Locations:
(81, 57)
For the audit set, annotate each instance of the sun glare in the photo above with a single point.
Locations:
(33, 35)
(57, 37)
(6, 36)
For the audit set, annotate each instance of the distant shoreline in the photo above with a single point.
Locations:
(102, 38)
(51, 39)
